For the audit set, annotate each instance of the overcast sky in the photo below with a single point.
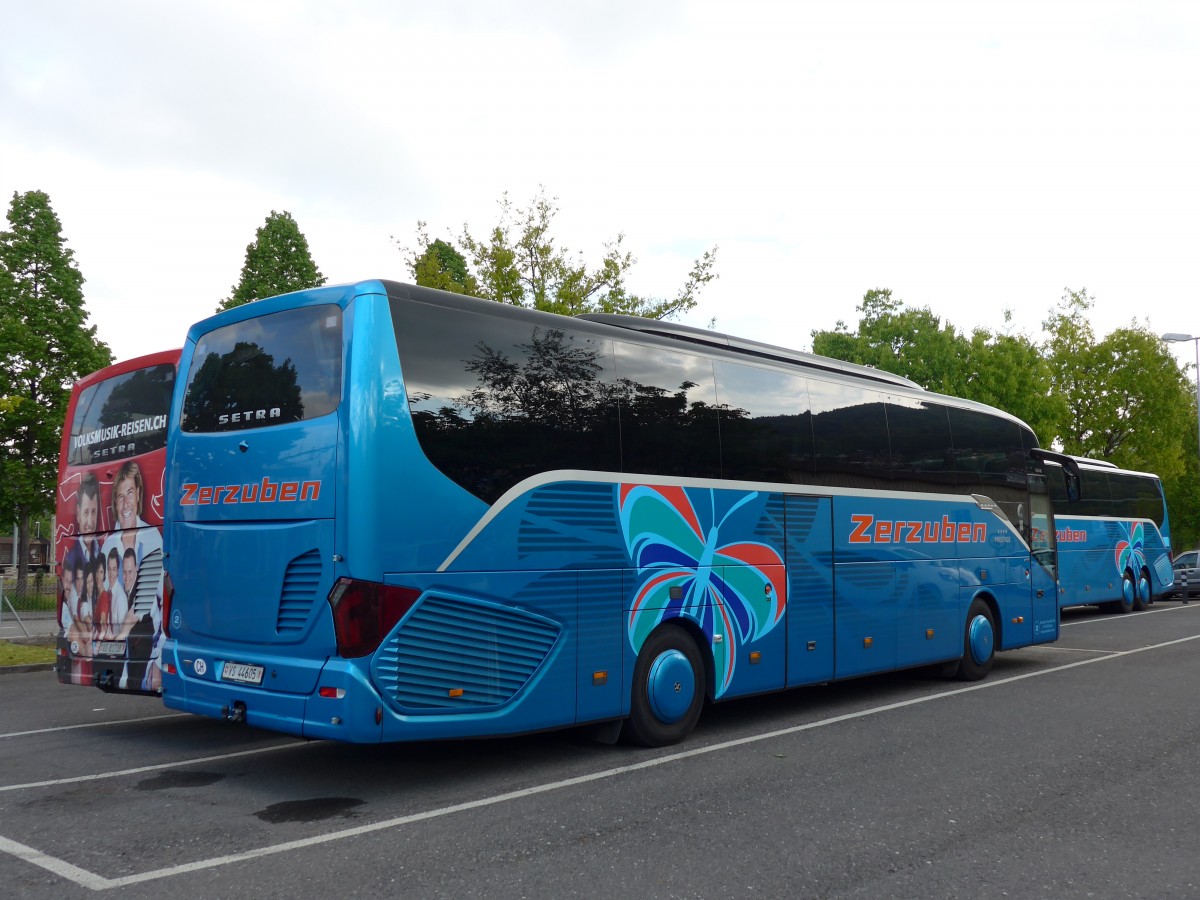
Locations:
(973, 157)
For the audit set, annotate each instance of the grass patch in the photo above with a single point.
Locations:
(24, 654)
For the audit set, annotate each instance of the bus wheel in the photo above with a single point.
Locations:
(979, 643)
(1128, 596)
(1142, 601)
(668, 689)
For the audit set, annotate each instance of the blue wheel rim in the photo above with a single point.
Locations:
(981, 639)
(1127, 589)
(671, 686)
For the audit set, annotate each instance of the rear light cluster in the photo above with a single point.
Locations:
(364, 612)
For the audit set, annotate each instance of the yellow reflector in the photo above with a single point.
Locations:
(1018, 620)
(867, 642)
(929, 634)
(456, 692)
(755, 658)
(599, 678)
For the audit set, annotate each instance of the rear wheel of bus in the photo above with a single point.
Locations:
(1141, 598)
(668, 689)
(1125, 603)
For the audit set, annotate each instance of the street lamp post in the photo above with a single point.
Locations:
(1174, 336)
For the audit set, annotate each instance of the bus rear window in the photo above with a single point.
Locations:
(122, 416)
(278, 368)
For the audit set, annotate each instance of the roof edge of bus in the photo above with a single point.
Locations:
(678, 333)
(690, 334)
(326, 293)
(122, 366)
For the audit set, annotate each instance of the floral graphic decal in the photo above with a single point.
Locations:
(731, 589)
(1131, 551)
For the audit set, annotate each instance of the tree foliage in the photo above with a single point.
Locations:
(519, 261)
(277, 262)
(45, 346)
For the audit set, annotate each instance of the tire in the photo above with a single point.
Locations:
(979, 643)
(668, 689)
(1124, 603)
(1145, 594)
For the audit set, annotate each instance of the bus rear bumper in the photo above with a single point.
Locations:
(341, 707)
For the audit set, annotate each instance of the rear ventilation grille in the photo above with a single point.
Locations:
(148, 588)
(300, 584)
(462, 655)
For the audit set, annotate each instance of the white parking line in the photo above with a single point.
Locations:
(14, 734)
(96, 882)
(1119, 618)
(120, 773)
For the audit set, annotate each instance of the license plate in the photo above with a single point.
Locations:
(242, 673)
(110, 648)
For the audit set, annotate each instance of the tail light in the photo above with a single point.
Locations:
(168, 590)
(364, 612)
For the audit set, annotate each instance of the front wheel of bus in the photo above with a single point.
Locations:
(668, 689)
(979, 643)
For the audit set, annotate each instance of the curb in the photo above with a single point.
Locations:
(28, 667)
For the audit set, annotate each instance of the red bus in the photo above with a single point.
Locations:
(108, 540)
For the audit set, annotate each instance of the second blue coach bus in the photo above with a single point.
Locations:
(401, 514)
(1114, 537)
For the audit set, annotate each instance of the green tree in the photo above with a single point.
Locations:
(520, 262)
(1003, 370)
(1128, 402)
(45, 346)
(1008, 372)
(909, 342)
(277, 262)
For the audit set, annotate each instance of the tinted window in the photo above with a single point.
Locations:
(277, 368)
(1096, 499)
(850, 434)
(1056, 484)
(922, 450)
(766, 428)
(122, 416)
(989, 451)
(668, 403)
(497, 400)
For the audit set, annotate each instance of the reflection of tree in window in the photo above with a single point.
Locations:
(242, 381)
(146, 392)
(541, 406)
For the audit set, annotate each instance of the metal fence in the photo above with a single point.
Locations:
(28, 610)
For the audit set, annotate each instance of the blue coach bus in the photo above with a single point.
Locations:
(400, 514)
(1113, 535)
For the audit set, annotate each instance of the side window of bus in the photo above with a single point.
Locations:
(533, 398)
(766, 426)
(850, 434)
(1056, 486)
(989, 453)
(668, 403)
(1096, 500)
(922, 449)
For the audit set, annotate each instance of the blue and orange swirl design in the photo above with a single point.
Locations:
(1131, 550)
(733, 589)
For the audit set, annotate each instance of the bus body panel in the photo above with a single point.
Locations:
(1094, 553)
(109, 513)
(528, 608)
